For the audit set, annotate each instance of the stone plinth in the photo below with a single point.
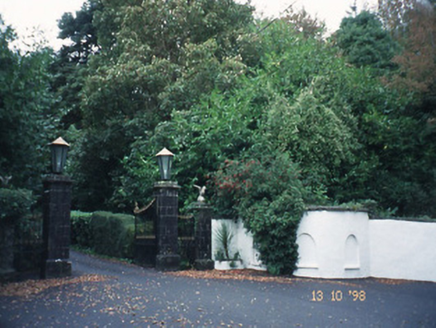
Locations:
(203, 236)
(56, 227)
(167, 210)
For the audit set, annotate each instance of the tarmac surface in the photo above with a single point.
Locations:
(106, 293)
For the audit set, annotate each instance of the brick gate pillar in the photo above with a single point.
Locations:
(203, 236)
(167, 211)
(56, 226)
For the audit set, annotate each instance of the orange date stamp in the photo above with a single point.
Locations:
(338, 295)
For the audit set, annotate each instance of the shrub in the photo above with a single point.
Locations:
(104, 232)
(274, 225)
(267, 193)
(81, 233)
(15, 203)
(113, 234)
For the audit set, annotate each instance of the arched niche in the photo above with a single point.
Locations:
(352, 254)
(307, 251)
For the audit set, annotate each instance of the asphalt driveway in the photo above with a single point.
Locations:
(104, 293)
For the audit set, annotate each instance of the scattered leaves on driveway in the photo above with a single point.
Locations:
(253, 275)
(245, 274)
(33, 287)
(391, 281)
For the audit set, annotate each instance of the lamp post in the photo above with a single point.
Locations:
(56, 215)
(167, 211)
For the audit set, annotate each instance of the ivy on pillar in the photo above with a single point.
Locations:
(56, 216)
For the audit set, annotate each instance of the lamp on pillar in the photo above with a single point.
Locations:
(56, 215)
(167, 211)
(59, 149)
(165, 161)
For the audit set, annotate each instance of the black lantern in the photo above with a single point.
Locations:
(59, 149)
(165, 160)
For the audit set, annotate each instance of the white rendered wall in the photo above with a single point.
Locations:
(346, 244)
(333, 244)
(403, 249)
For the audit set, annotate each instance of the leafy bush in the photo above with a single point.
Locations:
(113, 234)
(104, 232)
(15, 203)
(274, 225)
(81, 233)
(16, 228)
(269, 196)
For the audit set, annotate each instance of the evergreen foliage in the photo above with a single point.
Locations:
(365, 42)
(269, 195)
(15, 204)
(104, 232)
(141, 74)
(26, 120)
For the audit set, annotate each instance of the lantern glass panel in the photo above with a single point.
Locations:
(165, 163)
(59, 156)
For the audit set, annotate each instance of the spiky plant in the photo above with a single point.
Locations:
(224, 236)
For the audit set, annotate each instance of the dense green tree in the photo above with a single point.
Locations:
(365, 42)
(413, 24)
(70, 65)
(300, 100)
(315, 137)
(26, 120)
(163, 55)
(198, 83)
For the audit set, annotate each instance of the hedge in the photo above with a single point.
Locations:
(104, 232)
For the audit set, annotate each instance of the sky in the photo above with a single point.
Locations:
(28, 16)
